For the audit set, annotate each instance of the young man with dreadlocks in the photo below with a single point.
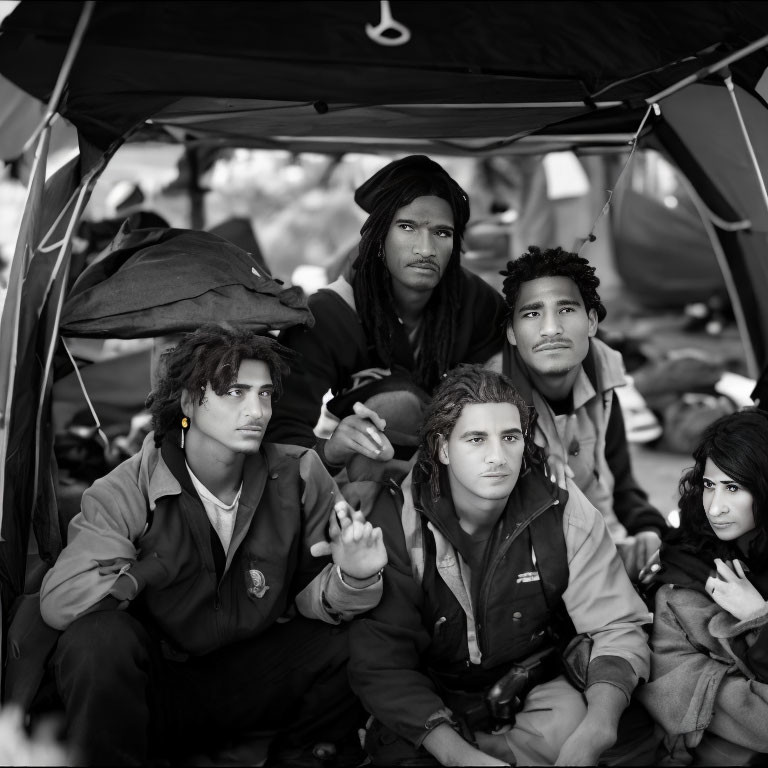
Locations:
(492, 570)
(559, 367)
(409, 313)
(181, 585)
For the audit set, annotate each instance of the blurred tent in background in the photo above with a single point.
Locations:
(502, 83)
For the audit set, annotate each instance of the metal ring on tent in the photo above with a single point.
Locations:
(388, 24)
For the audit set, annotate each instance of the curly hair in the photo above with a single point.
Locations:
(210, 355)
(738, 445)
(553, 262)
(372, 284)
(467, 385)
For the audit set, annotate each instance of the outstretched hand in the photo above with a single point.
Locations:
(733, 591)
(361, 432)
(355, 545)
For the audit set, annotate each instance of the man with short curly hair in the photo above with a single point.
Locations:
(192, 571)
(560, 367)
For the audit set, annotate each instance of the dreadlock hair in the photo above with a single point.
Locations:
(738, 445)
(210, 355)
(467, 385)
(553, 262)
(373, 286)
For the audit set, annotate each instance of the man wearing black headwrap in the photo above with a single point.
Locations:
(410, 310)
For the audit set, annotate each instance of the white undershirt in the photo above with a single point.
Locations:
(221, 515)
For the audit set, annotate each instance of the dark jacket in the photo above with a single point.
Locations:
(147, 511)
(459, 629)
(685, 569)
(336, 348)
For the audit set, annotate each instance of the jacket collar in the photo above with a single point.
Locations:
(171, 475)
(531, 492)
(602, 370)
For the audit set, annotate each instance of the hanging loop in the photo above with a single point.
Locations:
(388, 24)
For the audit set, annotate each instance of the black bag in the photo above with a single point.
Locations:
(157, 282)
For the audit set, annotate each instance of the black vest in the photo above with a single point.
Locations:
(517, 604)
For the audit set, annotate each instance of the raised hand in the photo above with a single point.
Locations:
(355, 545)
(733, 591)
(361, 432)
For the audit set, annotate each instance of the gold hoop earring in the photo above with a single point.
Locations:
(184, 425)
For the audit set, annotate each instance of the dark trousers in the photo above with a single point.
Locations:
(124, 702)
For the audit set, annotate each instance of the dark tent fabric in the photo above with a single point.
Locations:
(155, 282)
(271, 69)
(473, 78)
(663, 255)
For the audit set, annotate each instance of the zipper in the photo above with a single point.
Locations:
(503, 549)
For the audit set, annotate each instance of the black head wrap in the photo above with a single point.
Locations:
(388, 184)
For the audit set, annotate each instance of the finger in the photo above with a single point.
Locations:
(357, 530)
(709, 585)
(321, 549)
(358, 516)
(647, 551)
(367, 532)
(368, 413)
(739, 569)
(334, 525)
(725, 572)
(360, 442)
(350, 438)
(375, 436)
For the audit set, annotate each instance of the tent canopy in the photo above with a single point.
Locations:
(471, 75)
(447, 77)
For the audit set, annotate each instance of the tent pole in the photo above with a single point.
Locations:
(66, 67)
(10, 326)
(730, 284)
(64, 260)
(590, 238)
(712, 68)
(745, 134)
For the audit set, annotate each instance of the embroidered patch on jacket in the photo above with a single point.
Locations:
(528, 576)
(257, 586)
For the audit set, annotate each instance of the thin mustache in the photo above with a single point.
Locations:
(547, 343)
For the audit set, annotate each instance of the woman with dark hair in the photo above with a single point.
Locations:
(709, 672)
(409, 313)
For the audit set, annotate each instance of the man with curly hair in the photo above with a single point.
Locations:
(561, 368)
(192, 571)
(493, 571)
